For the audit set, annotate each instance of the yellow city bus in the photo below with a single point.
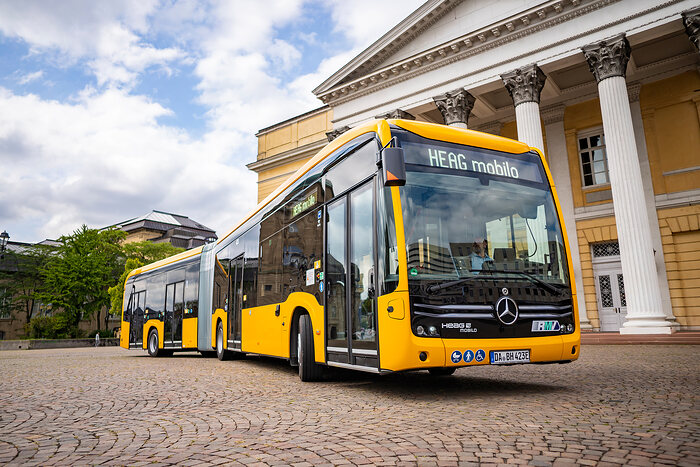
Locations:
(401, 245)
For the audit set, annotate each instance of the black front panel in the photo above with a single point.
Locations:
(470, 312)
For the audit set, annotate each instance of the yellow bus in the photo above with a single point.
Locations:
(401, 245)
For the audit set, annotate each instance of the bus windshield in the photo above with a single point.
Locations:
(459, 224)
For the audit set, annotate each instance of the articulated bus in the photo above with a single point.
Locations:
(401, 245)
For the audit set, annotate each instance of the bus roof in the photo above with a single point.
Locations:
(169, 260)
(428, 130)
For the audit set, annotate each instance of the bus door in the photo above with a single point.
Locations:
(235, 302)
(174, 307)
(138, 303)
(350, 278)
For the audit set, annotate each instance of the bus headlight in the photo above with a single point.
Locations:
(420, 330)
(569, 328)
(432, 330)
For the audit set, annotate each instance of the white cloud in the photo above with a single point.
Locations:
(105, 34)
(105, 158)
(365, 21)
(29, 77)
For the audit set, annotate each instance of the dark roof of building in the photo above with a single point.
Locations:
(163, 221)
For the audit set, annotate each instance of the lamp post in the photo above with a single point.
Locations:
(4, 237)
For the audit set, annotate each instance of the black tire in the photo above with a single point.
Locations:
(309, 370)
(152, 344)
(221, 353)
(441, 371)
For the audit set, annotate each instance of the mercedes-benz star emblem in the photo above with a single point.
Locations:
(506, 310)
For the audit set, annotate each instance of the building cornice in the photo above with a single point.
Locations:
(286, 157)
(516, 27)
(296, 118)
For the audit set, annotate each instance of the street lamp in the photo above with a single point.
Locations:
(4, 237)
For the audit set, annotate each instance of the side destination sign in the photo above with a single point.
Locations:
(464, 158)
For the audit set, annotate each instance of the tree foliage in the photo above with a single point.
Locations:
(77, 277)
(137, 254)
(21, 277)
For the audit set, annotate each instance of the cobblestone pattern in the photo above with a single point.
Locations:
(634, 405)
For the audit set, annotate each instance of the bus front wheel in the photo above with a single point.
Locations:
(309, 370)
(153, 349)
(221, 353)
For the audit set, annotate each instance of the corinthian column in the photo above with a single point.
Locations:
(455, 107)
(691, 21)
(608, 62)
(524, 86)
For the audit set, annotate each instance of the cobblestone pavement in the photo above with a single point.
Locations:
(635, 405)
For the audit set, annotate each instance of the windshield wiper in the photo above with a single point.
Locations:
(534, 279)
(447, 285)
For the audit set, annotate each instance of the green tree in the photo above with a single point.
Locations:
(21, 277)
(77, 277)
(137, 254)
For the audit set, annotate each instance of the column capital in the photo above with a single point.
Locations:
(396, 114)
(524, 84)
(552, 113)
(455, 106)
(333, 134)
(608, 58)
(633, 91)
(691, 21)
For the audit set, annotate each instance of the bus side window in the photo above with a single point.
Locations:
(358, 165)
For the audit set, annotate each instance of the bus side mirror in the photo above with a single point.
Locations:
(394, 166)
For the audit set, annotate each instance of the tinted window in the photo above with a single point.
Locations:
(155, 299)
(192, 290)
(356, 167)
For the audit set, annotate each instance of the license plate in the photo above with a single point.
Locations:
(500, 357)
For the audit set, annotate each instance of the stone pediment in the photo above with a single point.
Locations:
(442, 32)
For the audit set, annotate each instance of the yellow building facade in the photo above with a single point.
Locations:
(285, 147)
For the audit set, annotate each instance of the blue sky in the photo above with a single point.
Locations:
(111, 109)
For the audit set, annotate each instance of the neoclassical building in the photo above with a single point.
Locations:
(608, 89)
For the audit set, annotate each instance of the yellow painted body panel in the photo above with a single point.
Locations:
(542, 349)
(189, 333)
(261, 331)
(124, 335)
(264, 333)
(153, 323)
(399, 348)
(219, 314)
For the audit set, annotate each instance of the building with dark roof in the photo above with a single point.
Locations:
(161, 227)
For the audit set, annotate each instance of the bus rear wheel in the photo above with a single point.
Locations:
(153, 349)
(221, 353)
(309, 370)
(441, 371)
